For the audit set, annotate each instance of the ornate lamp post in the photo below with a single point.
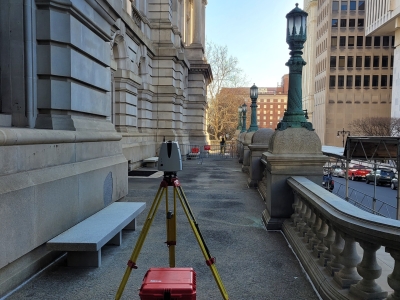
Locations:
(296, 35)
(244, 110)
(253, 96)
(343, 134)
(240, 118)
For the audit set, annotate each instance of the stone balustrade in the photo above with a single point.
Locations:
(337, 244)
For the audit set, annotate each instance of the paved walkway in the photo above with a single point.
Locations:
(252, 263)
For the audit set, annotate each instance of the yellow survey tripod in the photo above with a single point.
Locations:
(170, 179)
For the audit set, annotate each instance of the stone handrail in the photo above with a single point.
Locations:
(324, 231)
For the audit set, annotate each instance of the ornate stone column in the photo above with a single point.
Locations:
(369, 270)
(349, 258)
(197, 21)
(394, 278)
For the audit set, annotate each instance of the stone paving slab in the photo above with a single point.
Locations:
(252, 263)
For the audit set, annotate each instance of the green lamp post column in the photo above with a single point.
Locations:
(240, 118)
(253, 96)
(244, 110)
(296, 36)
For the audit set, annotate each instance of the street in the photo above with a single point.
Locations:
(362, 194)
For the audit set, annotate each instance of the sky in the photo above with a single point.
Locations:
(254, 32)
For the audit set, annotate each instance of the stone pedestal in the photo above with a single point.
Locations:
(246, 151)
(240, 146)
(259, 144)
(292, 152)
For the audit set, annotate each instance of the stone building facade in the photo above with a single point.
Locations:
(353, 73)
(88, 89)
(382, 18)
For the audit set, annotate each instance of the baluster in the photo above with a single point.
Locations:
(297, 207)
(321, 234)
(335, 265)
(301, 222)
(349, 258)
(311, 221)
(313, 238)
(306, 219)
(328, 241)
(369, 270)
(394, 278)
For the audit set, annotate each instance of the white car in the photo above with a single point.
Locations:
(338, 172)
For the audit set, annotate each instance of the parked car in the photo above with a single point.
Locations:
(338, 172)
(394, 183)
(358, 172)
(383, 176)
(327, 182)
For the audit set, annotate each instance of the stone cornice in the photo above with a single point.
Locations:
(205, 69)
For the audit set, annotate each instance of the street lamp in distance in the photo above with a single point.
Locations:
(253, 96)
(343, 134)
(240, 118)
(244, 110)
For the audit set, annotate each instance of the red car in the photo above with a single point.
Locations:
(358, 172)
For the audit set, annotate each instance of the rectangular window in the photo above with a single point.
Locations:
(392, 41)
(340, 81)
(341, 61)
(360, 41)
(349, 61)
(335, 5)
(353, 5)
(360, 23)
(352, 23)
(342, 41)
(361, 5)
(383, 80)
(376, 62)
(367, 62)
(333, 41)
(343, 23)
(358, 61)
(391, 61)
(385, 41)
(377, 41)
(332, 81)
(368, 41)
(385, 61)
(351, 41)
(349, 81)
(375, 80)
(390, 80)
(366, 80)
(335, 23)
(357, 81)
(333, 62)
(343, 5)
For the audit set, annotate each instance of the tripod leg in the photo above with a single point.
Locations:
(196, 230)
(171, 232)
(139, 243)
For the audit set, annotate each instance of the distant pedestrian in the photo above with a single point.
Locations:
(222, 146)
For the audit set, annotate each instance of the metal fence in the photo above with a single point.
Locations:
(365, 202)
(212, 150)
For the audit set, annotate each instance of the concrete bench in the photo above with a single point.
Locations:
(83, 241)
(150, 162)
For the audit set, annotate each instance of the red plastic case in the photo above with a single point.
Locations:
(175, 283)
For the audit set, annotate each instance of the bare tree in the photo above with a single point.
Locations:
(222, 113)
(376, 126)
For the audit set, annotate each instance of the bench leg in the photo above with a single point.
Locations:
(84, 259)
(131, 225)
(116, 240)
